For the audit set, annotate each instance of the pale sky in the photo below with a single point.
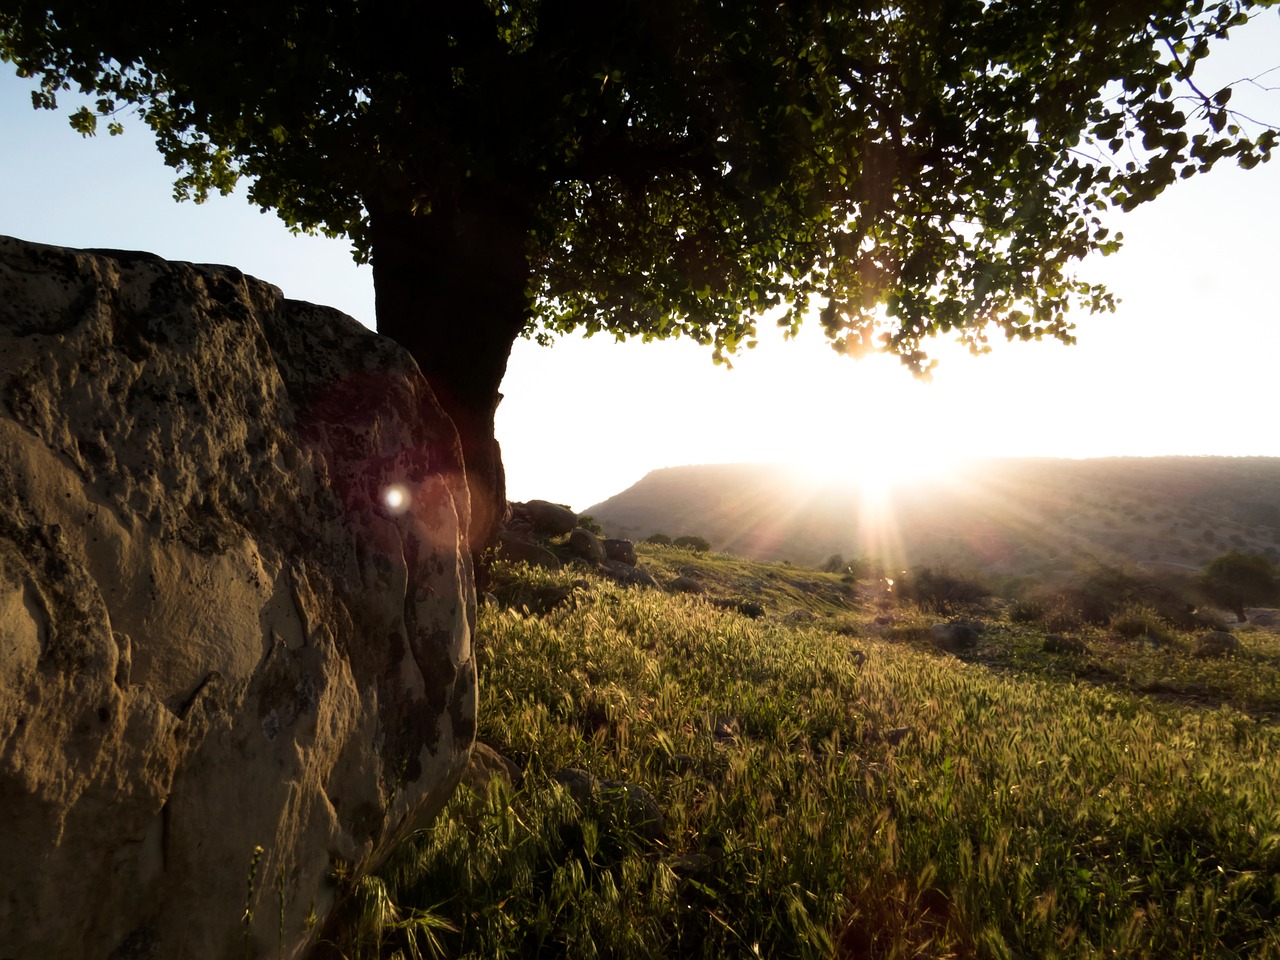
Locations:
(1187, 365)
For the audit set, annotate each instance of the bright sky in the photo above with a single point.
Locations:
(1187, 365)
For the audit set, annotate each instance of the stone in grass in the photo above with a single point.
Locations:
(685, 584)
(550, 519)
(1055, 643)
(629, 576)
(624, 551)
(628, 803)
(485, 765)
(687, 866)
(1218, 643)
(954, 637)
(585, 544)
(727, 730)
(518, 550)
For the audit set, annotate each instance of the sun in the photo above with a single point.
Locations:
(878, 470)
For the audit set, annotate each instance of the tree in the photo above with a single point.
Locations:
(834, 564)
(696, 544)
(659, 168)
(1237, 580)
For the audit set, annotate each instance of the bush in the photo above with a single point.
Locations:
(658, 539)
(1138, 621)
(696, 544)
(1101, 595)
(941, 591)
(588, 522)
(1237, 580)
(1027, 611)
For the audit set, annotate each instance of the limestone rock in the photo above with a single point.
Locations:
(549, 519)
(1217, 643)
(518, 550)
(485, 765)
(586, 545)
(629, 805)
(235, 608)
(628, 576)
(954, 637)
(686, 585)
(624, 551)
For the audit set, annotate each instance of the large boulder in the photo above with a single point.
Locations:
(549, 519)
(624, 551)
(235, 608)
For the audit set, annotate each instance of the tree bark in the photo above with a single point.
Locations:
(451, 288)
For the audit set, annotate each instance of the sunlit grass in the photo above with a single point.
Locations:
(872, 798)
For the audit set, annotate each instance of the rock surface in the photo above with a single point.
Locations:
(235, 608)
(1217, 643)
(1055, 643)
(586, 545)
(954, 637)
(624, 551)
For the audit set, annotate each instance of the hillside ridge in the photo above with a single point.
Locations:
(1031, 516)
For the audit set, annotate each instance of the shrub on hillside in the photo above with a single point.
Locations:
(658, 539)
(696, 544)
(1237, 580)
(859, 568)
(588, 522)
(1137, 621)
(1027, 610)
(1099, 596)
(940, 590)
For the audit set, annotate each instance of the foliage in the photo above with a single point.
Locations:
(658, 539)
(676, 168)
(1237, 580)
(1013, 812)
(588, 522)
(856, 567)
(696, 544)
(1137, 622)
(940, 590)
(1026, 610)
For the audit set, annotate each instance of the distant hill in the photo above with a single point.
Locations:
(1012, 516)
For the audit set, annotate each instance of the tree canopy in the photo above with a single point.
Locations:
(680, 166)
(1238, 579)
(653, 168)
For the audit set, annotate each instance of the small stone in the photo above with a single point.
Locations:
(683, 584)
(1054, 643)
(954, 637)
(629, 803)
(1218, 643)
(685, 865)
(727, 730)
(484, 765)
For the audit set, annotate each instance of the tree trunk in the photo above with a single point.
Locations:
(451, 288)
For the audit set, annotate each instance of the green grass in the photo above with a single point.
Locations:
(879, 799)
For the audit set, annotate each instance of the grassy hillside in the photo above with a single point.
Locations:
(1000, 516)
(823, 781)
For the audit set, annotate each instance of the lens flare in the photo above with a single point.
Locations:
(396, 497)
